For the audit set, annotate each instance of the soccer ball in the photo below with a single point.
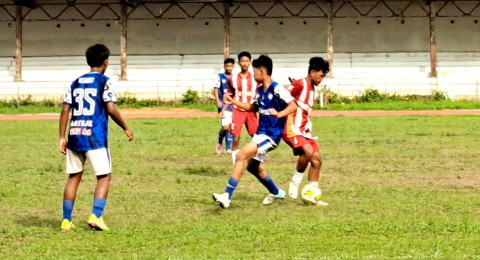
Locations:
(311, 194)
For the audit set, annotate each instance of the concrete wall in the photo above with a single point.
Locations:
(186, 36)
(295, 35)
(7, 39)
(278, 35)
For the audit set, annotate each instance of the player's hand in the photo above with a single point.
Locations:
(62, 145)
(273, 112)
(228, 99)
(219, 104)
(221, 115)
(129, 134)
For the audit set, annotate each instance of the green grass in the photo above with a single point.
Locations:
(398, 187)
(407, 105)
(38, 109)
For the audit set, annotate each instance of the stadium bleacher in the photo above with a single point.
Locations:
(168, 76)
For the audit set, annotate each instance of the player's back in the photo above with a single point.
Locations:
(276, 97)
(298, 122)
(88, 96)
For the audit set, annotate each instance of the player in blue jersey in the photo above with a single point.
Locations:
(92, 99)
(269, 95)
(225, 113)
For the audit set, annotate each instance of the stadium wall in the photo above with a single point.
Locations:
(205, 36)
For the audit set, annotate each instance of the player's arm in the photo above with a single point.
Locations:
(246, 106)
(62, 144)
(110, 99)
(221, 114)
(285, 96)
(117, 118)
(292, 107)
(217, 98)
(215, 92)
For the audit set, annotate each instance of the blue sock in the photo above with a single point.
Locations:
(98, 206)
(67, 209)
(228, 140)
(231, 186)
(268, 183)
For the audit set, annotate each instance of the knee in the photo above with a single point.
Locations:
(240, 156)
(316, 160)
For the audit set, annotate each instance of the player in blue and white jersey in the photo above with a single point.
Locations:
(224, 112)
(92, 99)
(270, 96)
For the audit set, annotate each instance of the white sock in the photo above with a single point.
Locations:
(314, 183)
(297, 177)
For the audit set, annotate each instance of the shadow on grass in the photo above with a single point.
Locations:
(38, 221)
(205, 171)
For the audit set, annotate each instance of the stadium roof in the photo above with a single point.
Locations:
(79, 10)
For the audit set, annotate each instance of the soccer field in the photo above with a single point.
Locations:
(403, 187)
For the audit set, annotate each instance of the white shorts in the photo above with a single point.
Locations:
(227, 118)
(99, 159)
(265, 145)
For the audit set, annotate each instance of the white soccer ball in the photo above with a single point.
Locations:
(311, 194)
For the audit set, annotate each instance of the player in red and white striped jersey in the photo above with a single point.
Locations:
(243, 87)
(297, 133)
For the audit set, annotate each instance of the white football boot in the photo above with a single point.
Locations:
(272, 198)
(293, 190)
(221, 199)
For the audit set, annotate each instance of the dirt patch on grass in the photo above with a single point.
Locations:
(194, 113)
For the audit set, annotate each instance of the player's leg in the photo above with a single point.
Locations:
(265, 145)
(315, 164)
(102, 166)
(226, 125)
(69, 196)
(256, 169)
(247, 152)
(228, 141)
(75, 162)
(238, 120)
(221, 135)
(304, 150)
(314, 171)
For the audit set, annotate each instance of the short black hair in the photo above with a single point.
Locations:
(228, 60)
(244, 54)
(264, 61)
(96, 55)
(318, 64)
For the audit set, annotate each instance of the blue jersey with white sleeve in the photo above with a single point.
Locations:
(222, 85)
(276, 97)
(87, 97)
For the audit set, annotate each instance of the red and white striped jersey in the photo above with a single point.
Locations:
(244, 89)
(298, 122)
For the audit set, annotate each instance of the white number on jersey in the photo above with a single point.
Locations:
(84, 95)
